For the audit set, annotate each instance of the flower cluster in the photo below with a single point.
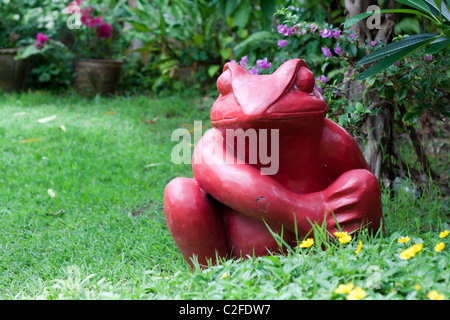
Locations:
(352, 292)
(413, 250)
(103, 28)
(260, 64)
(343, 237)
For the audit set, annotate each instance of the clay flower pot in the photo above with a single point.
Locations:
(93, 76)
(13, 73)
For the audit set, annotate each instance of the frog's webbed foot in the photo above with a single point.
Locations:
(194, 222)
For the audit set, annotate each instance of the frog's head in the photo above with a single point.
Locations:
(246, 99)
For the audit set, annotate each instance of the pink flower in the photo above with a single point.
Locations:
(327, 52)
(282, 43)
(283, 29)
(40, 41)
(429, 58)
(326, 33)
(313, 28)
(105, 30)
(41, 38)
(337, 33)
(373, 43)
(338, 50)
(254, 71)
(86, 19)
(95, 22)
(263, 64)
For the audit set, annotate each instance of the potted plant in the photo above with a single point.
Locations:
(98, 46)
(13, 73)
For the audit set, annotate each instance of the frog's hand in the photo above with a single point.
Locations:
(353, 201)
(243, 188)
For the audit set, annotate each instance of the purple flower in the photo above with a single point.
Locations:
(254, 71)
(397, 64)
(429, 58)
(244, 61)
(322, 79)
(283, 29)
(337, 93)
(373, 43)
(233, 61)
(352, 37)
(363, 87)
(313, 28)
(326, 33)
(338, 50)
(282, 43)
(337, 33)
(327, 52)
(105, 30)
(263, 64)
(319, 89)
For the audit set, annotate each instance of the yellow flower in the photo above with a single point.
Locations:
(404, 239)
(356, 294)
(306, 243)
(344, 288)
(417, 287)
(345, 239)
(434, 295)
(443, 234)
(340, 234)
(411, 251)
(359, 247)
(439, 247)
(225, 275)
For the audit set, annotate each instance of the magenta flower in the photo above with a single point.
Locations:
(373, 43)
(282, 43)
(254, 71)
(338, 50)
(105, 30)
(327, 52)
(263, 64)
(326, 33)
(352, 37)
(95, 22)
(313, 28)
(86, 19)
(40, 41)
(337, 33)
(244, 61)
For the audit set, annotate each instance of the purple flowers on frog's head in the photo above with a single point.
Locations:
(327, 52)
(244, 61)
(263, 64)
(282, 43)
(254, 71)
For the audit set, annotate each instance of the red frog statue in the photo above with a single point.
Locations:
(320, 175)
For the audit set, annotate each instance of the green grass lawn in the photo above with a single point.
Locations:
(103, 235)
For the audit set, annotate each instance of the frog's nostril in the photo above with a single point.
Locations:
(304, 80)
(224, 82)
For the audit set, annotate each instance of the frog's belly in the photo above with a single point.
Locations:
(304, 182)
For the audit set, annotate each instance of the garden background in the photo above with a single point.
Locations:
(82, 174)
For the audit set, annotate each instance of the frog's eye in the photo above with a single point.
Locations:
(305, 80)
(224, 83)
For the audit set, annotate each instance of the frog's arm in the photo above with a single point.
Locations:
(339, 150)
(243, 188)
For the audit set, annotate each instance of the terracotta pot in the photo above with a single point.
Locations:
(13, 73)
(94, 76)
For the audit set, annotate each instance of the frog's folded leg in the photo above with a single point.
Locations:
(194, 222)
